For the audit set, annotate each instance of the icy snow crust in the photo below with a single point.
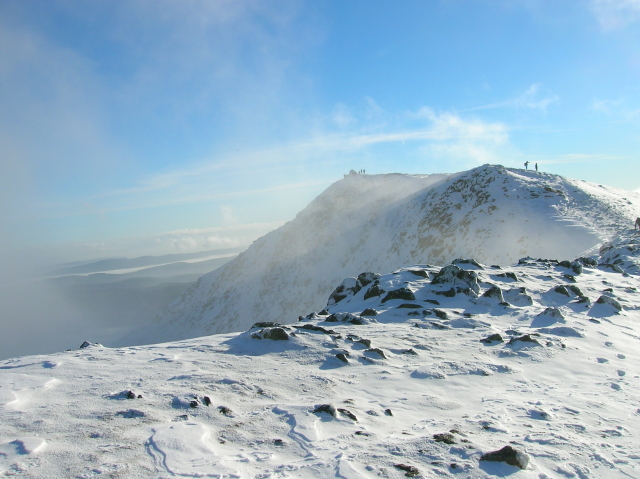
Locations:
(437, 367)
(378, 222)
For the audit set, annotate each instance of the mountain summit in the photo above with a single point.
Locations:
(492, 214)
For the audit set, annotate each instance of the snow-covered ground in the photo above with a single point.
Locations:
(410, 391)
(380, 222)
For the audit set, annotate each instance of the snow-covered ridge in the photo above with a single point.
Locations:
(422, 372)
(376, 222)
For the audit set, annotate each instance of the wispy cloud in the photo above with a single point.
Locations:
(617, 109)
(528, 99)
(616, 14)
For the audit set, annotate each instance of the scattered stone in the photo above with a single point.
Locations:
(265, 324)
(565, 264)
(451, 274)
(493, 338)
(561, 290)
(410, 471)
(450, 293)
(419, 272)
(388, 412)
(362, 433)
(328, 408)
(224, 410)
(131, 395)
(569, 278)
(366, 342)
(348, 413)
(509, 455)
(278, 442)
(410, 306)
(613, 267)
(409, 351)
(589, 262)
(377, 351)
(472, 262)
(525, 338)
(604, 299)
(494, 292)
(312, 327)
(402, 293)
(194, 403)
(275, 334)
(207, 401)
(87, 344)
(576, 267)
(374, 291)
(342, 357)
(575, 290)
(507, 276)
(131, 413)
(324, 312)
(432, 301)
(369, 312)
(445, 437)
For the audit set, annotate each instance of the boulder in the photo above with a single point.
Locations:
(509, 455)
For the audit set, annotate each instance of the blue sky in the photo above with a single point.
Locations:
(143, 127)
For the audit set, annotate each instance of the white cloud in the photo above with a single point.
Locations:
(528, 99)
(179, 241)
(616, 14)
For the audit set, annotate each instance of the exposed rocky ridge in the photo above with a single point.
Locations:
(375, 222)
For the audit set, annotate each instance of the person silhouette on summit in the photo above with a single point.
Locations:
(637, 225)
(526, 165)
(536, 167)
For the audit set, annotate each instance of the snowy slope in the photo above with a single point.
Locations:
(376, 222)
(421, 388)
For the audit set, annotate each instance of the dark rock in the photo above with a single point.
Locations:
(613, 267)
(610, 301)
(275, 334)
(490, 339)
(366, 342)
(388, 412)
(565, 264)
(509, 455)
(207, 401)
(402, 293)
(342, 357)
(194, 403)
(569, 278)
(139, 396)
(451, 274)
(224, 410)
(576, 267)
(589, 262)
(312, 327)
(377, 351)
(265, 324)
(324, 312)
(439, 313)
(561, 290)
(445, 437)
(374, 291)
(575, 290)
(410, 471)
(410, 306)
(496, 266)
(369, 312)
(131, 395)
(278, 442)
(494, 292)
(362, 433)
(433, 301)
(409, 351)
(419, 272)
(467, 261)
(348, 413)
(328, 408)
(450, 293)
(525, 338)
(131, 413)
(508, 276)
